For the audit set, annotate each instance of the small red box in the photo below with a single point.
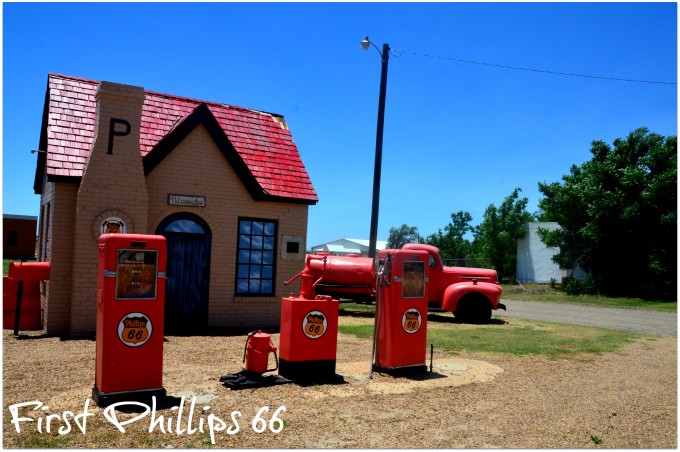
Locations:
(309, 338)
(130, 317)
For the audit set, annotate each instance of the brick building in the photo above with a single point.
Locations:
(225, 185)
(18, 236)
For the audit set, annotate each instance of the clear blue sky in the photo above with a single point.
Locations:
(458, 136)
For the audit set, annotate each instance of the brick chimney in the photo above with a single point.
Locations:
(113, 185)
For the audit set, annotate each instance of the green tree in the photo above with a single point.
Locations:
(451, 241)
(402, 235)
(619, 214)
(499, 231)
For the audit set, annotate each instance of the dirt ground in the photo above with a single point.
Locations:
(616, 400)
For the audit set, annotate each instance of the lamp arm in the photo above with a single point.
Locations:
(376, 48)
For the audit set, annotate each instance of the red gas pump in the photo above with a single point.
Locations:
(130, 317)
(400, 341)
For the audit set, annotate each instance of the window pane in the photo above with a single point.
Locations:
(244, 228)
(254, 286)
(267, 272)
(269, 243)
(185, 226)
(266, 286)
(269, 229)
(242, 286)
(243, 271)
(244, 242)
(256, 242)
(293, 247)
(243, 257)
(268, 257)
(255, 271)
(256, 257)
(257, 228)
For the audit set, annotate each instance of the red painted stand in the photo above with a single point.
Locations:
(309, 339)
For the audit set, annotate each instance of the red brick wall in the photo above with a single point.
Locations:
(58, 207)
(24, 231)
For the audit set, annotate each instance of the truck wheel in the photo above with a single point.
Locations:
(473, 309)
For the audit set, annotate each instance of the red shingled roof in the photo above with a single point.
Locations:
(264, 146)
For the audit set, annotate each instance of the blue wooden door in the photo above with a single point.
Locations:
(188, 273)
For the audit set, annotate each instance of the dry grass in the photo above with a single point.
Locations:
(626, 399)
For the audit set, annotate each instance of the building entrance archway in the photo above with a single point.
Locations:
(188, 240)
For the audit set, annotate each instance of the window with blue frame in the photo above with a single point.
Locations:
(256, 257)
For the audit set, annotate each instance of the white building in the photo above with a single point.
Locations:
(343, 247)
(534, 259)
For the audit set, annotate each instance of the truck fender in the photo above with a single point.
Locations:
(455, 292)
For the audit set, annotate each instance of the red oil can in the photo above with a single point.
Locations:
(256, 352)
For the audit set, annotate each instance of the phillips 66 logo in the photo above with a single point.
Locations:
(411, 321)
(314, 324)
(134, 329)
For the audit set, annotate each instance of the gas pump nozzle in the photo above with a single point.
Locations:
(384, 274)
(382, 279)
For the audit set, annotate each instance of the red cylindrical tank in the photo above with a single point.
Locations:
(258, 347)
(29, 271)
(324, 274)
(346, 270)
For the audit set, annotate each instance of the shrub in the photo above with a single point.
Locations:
(574, 286)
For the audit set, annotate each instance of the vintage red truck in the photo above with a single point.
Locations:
(470, 293)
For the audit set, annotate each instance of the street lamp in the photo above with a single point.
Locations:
(384, 55)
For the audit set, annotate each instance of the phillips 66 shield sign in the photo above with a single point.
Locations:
(411, 321)
(134, 329)
(314, 324)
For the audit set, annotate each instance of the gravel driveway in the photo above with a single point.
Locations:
(626, 399)
(637, 320)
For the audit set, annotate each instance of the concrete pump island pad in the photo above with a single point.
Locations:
(446, 372)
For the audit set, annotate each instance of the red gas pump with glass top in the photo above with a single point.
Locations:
(400, 334)
(130, 317)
